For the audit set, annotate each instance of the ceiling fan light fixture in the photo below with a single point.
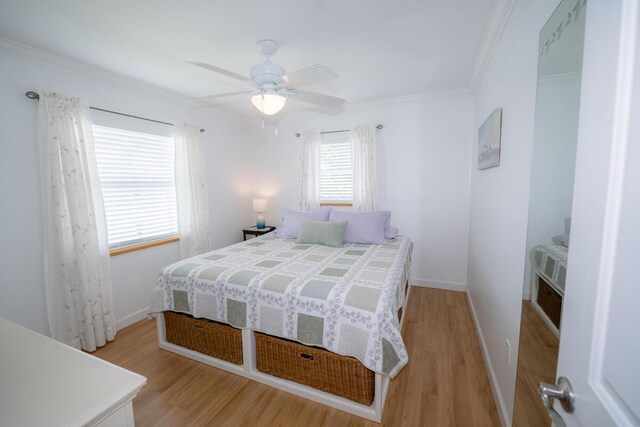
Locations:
(269, 103)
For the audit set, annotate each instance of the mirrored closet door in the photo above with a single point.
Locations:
(550, 200)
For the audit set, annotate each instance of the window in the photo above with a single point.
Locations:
(136, 172)
(336, 172)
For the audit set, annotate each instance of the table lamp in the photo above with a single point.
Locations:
(260, 207)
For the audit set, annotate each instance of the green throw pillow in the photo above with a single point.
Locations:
(322, 232)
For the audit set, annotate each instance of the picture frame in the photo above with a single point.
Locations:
(489, 141)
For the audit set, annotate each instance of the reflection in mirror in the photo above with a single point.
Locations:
(551, 192)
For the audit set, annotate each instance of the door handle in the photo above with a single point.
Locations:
(561, 391)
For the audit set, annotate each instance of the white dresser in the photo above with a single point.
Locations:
(46, 383)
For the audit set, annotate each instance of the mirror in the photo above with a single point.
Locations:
(550, 199)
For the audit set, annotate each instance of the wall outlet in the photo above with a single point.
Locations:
(507, 351)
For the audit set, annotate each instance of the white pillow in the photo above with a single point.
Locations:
(291, 220)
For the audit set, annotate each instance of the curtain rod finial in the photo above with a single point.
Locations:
(379, 127)
(32, 95)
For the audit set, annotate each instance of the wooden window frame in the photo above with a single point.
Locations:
(143, 245)
(336, 204)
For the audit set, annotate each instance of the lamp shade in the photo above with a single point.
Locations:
(260, 205)
(269, 103)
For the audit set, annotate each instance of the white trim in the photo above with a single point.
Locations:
(459, 92)
(132, 318)
(92, 72)
(435, 284)
(497, 22)
(406, 99)
(495, 388)
(88, 71)
(248, 370)
(552, 78)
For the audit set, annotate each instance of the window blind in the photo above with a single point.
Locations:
(137, 179)
(336, 172)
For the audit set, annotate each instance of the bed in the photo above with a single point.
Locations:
(345, 300)
(550, 268)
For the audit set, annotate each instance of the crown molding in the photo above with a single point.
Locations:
(92, 72)
(87, 71)
(498, 20)
(448, 93)
(552, 78)
(406, 99)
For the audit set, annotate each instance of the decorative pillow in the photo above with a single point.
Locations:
(363, 227)
(291, 220)
(322, 232)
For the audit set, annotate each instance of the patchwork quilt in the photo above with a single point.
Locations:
(342, 299)
(551, 264)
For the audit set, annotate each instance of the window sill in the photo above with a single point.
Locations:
(140, 246)
(336, 204)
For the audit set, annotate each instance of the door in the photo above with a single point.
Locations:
(600, 333)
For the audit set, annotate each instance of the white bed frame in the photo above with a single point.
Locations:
(248, 370)
(536, 306)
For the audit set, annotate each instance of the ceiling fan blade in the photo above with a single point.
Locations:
(311, 75)
(319, 99)
(222, 71)
(223, 95)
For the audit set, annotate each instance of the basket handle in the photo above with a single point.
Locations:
(306, 356)
(198, 328)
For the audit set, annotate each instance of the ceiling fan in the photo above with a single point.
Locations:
(272, 86)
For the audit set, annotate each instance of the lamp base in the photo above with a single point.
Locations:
(261, 224)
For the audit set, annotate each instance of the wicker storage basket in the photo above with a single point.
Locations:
(315, 367)
(204, 336)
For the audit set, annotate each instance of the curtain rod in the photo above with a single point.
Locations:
(338, 131)
(34, 95)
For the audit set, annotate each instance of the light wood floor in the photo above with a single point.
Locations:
(537, 361)
(444, 383)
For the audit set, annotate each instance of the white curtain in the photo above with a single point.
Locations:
(363, 151)
(76, 253)
(310, 170)
(191, 188)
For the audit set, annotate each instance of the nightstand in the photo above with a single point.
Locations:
(253, 231)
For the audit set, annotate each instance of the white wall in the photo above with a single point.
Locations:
(423, 170)
(553, 163)
(134, 274)
(499, 196)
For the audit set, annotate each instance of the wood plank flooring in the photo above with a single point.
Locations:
(444, 383)
(537, 361)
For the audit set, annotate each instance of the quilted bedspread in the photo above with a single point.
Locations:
(342, 299)
(551, 264)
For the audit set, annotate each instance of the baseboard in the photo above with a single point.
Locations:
(448, 286)
(131, 318)
(495, 388)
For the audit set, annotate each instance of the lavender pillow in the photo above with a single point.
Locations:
(363, 227)
(291, 220)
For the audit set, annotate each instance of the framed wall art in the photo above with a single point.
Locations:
(489, 136)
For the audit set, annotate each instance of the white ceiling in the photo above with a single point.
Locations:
(380, 48)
